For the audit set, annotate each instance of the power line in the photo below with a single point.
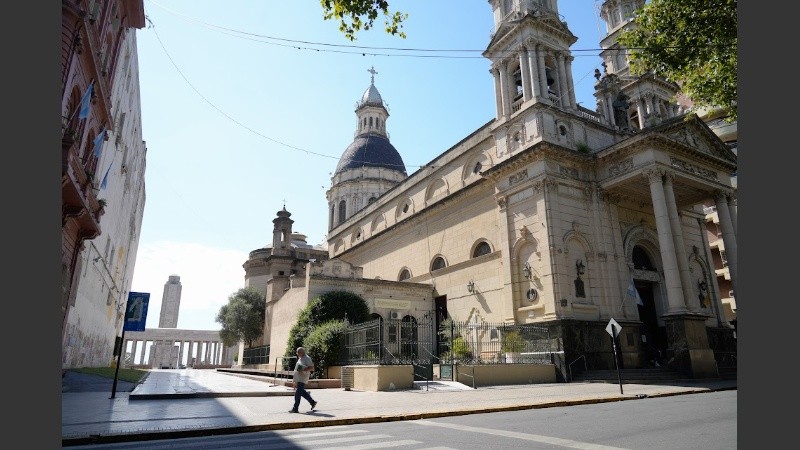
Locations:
(362, 50)
(309, 152)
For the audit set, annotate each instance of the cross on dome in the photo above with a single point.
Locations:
(373, 72)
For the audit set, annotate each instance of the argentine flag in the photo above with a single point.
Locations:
(633, 293)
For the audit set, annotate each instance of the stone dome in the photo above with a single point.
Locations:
(371, 150)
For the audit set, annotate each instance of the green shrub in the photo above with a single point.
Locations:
(325, 345)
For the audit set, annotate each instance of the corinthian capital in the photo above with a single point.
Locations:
(654, 175)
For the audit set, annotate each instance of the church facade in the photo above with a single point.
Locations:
(550, 214)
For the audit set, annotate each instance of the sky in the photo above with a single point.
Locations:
(247, 106)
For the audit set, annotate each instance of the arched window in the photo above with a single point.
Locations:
(404, 275)
(342, 211)
(438, 263)
(481, 249)
(641, 260)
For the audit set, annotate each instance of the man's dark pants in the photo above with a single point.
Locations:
(299, 392)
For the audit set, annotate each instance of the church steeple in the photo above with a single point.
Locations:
(625, 101)
(531, 60)
(282, 232)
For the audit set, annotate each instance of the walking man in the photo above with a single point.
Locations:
(302, 370)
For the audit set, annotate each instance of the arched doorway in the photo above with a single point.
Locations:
(653, 334)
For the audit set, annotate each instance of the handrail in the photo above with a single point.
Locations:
(275, 372)
(585, 366)
(426, 378)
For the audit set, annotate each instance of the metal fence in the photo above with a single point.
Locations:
(390, 341)
(494, 343)
(413, 341)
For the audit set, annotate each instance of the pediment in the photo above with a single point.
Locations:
(695, 133)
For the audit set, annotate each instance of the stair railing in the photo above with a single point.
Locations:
(585, 365)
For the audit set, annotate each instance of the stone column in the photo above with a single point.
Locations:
(713, 288)
(180, 353)
(570, 86)
(672, 276)
(733, 211)
(524, 68)
(504, 92)
(536, 85)
(563, 87)
(507, 245)
(677, 240)
(542, 74)
(595, 202)
(610, 108)
(550, 187)
(498, 93)
(618, 248)
(190, 356)
(640, 110)
(650, 105)
(728, 236)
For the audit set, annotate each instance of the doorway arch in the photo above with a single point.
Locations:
(653, 340)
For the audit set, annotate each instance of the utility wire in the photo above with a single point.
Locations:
(360, 50)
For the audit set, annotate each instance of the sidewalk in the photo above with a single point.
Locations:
(188, 402)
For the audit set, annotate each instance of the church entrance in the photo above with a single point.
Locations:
(654, 337)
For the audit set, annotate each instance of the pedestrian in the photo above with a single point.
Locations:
(302, 370)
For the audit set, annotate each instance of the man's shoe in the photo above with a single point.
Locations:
(294, 411)
(313, 405)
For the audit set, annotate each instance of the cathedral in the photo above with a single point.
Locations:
(549, 214)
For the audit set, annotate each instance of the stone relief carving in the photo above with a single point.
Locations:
(621, 167)
(693, 169)
(518, 177)
(568, 171)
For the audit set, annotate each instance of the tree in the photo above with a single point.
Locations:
(692, 43)
(242, 319)
(355, 15)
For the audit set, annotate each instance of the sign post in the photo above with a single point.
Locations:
(135, 318)
(613, 328)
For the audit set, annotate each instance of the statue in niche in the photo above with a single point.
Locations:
(580, 269)
(621, 106)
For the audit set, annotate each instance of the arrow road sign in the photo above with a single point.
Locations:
(613, 328)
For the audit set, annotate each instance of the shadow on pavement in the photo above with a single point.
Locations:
(83, 382)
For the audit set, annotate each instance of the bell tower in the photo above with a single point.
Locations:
(626, 101)
(531, 60)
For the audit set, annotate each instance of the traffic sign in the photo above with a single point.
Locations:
(613, 328)
(136, 311)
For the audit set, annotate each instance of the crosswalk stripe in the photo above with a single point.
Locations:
(344, 439)
(524, 436)
(373, 445)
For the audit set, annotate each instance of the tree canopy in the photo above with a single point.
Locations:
(355, 15)
(691, 43)
(242, 319)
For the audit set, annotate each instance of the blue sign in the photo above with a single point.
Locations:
(136, 311)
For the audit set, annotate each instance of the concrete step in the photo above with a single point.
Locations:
(648, 375)
(441, 385)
